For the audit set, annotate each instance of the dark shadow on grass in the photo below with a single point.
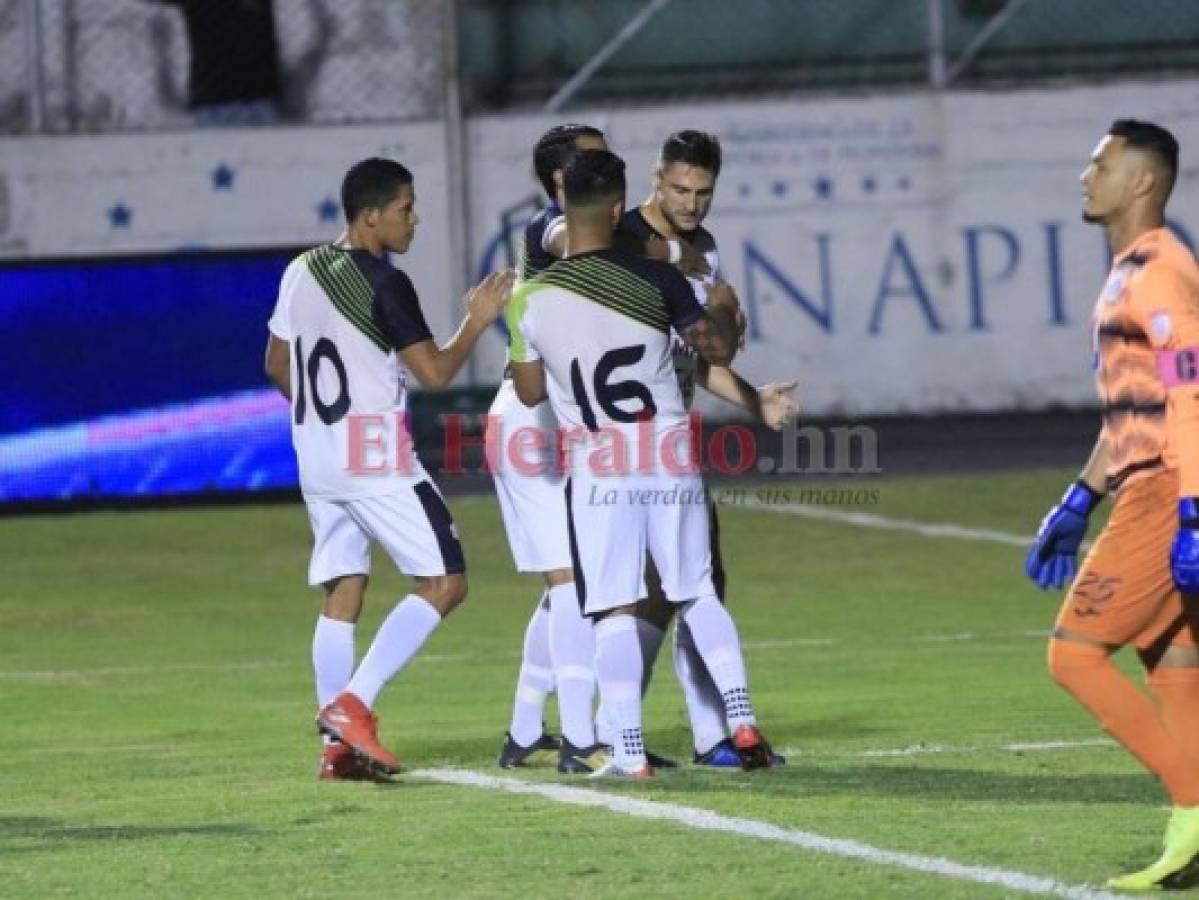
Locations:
(51, 831)
(799, 782)
(676, 738)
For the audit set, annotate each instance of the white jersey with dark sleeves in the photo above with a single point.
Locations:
(344, 315)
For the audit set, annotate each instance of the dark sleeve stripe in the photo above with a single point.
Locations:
(348, 290)
(636, 286)
(690, 320)
(590, 289)
(1128, 334)
(597, 283)
(588, 292)
(396, 311)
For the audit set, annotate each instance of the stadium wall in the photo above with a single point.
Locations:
(905, 255)
(920, 253)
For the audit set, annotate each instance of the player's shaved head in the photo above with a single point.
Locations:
(1156, 145)
(371, 184)
(556, 148)
(593, 180)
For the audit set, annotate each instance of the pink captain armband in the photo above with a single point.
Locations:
(1178, 367)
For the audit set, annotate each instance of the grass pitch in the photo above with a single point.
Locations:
(157, 698)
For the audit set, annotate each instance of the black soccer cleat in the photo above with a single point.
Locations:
(513, 755)
(574, 760)
(660, 762)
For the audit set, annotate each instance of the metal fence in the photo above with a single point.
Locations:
(519, 53)
(136, 65)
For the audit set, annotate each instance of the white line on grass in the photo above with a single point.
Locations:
(1017, 747)
(931, 749)
(817, 843)
(439, 658)
(250, 665)
(108, 671)
(871, 520)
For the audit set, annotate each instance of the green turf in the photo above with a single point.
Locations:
(155, 685)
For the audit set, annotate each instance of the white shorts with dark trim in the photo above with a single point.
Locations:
(616, 521)
(412, 524)
(532, 503)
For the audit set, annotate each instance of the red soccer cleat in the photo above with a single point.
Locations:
(338, 763)
(348, 720)
(752, 748)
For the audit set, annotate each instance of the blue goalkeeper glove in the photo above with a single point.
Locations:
(1184, 553)
(1052, 560)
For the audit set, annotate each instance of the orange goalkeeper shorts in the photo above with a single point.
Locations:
(1124, 593)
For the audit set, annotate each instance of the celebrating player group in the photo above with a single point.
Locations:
(608, 337)
(615, 317)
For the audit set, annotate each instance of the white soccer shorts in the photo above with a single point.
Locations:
(615, 521)
(412, 524)
(532, 503)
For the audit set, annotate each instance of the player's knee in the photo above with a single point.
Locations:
(445, 593)
(1071, 660)
(343, 597)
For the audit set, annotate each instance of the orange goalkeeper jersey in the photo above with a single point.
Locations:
(1147, 360)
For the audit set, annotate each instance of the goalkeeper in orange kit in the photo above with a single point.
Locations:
(1138, 584)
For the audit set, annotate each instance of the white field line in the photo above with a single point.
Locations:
(872, 520)
(439, 658)
(1013, 747)
(706, 820)
(251, 665)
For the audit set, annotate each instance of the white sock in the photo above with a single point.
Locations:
(705, 706)
(618, 665)
(536, 679)
(715, 637)
(572, 647)
(332, 658)
(650, 637)
(402, 633)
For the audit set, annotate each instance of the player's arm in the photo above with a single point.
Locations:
(690, 260)
(772, 404)
(554, 239)
(529, 380)
(435, 367)
(1172, 326)
(709, 330)
(278, 364)
(524, 361)
(1094, 473)
(277, 359)
(640, 241)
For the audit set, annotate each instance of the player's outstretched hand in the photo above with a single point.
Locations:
(486, 300)
(1184, 553)
(1052, 560)
(779, 408)
(692, 261)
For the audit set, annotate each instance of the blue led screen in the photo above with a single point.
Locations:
(139, 377)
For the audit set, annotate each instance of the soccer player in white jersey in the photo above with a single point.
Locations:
(559, 645)
(598, 324)
(684, 184)
(346, 331)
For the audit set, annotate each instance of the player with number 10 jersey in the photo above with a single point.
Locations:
(346, 330)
